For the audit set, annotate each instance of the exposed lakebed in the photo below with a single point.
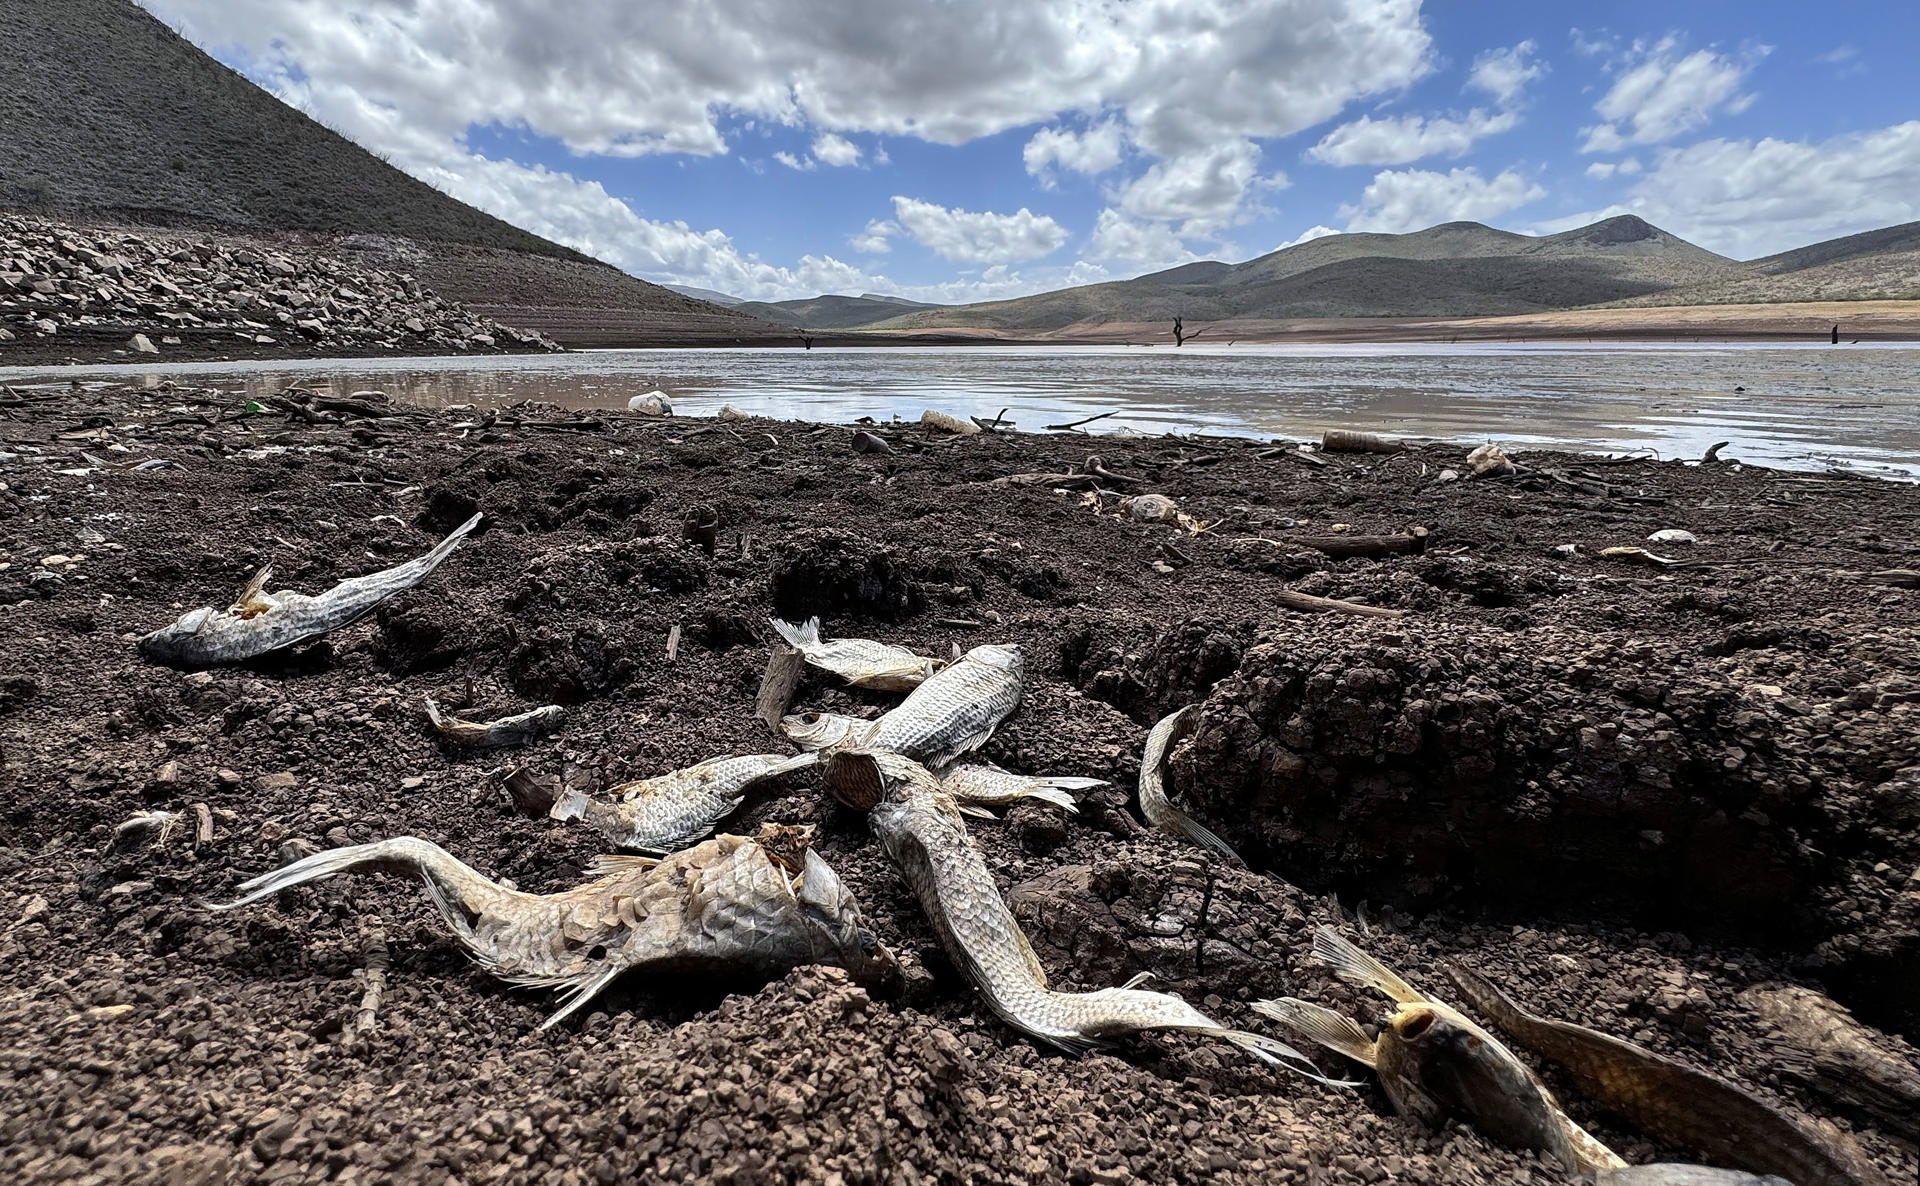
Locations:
(1810, 406)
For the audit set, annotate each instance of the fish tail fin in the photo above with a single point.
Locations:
(571, 805)
(800, 637)
(399, 853)
(1335, 1031)
(1357, 967)
(584, 990)
(1185, 825)
(1277, 1053)
(249, 597)
(1053, 794)
(609, 863)
(434, 716)
(445, 547)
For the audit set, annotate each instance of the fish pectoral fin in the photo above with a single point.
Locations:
(1335, 1031)
(974, 810)
(1357, 967)
(250, 603)
(583, 990)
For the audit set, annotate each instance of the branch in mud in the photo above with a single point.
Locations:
(784, 665)
(1308, 603)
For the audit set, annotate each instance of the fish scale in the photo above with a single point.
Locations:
(956, 710)
(677, 808)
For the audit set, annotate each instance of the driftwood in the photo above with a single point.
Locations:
(1899, 578)
(673, 643)
(1412, 542)
(1340, 440)
(1307, 603)
(1065, 481)
(1084, 420)
(1713, 452)
(1098, 469)
(1295, 454)
(376, 981)
(1823, 1047)
(784, 665)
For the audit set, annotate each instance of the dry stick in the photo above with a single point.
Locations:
(203, 826)
(1340, 547)
(1078, 423)
(673, 643)
(1713, 452)
(367, 1017)
(784, 666)
(1308, 603)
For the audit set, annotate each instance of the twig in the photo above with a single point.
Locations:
(1308, 603)
(784, 666)
(673, 643)
(376, 980)
(203, 826)
(1084, 420)
(1713, 452)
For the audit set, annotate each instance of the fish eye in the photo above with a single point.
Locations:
(809, 718)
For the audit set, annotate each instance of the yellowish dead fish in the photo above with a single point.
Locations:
(259, 622)
(1437, 1065)
(517, 729)
(675, 809)
(860, 661)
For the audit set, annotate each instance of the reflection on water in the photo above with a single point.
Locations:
(1812, 406)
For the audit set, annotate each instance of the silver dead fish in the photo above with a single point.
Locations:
(990, 786)
(860, 661)
(675, 809)
(258, 621)
(920, 829)
(823, 730)
(1160, 812)
(956, 710)
(732, 905)
(517, 729)
(1436, 1064)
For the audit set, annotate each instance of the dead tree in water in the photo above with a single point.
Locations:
(1180, 335)
(806, 340)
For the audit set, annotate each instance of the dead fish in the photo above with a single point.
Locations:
(1674, 1101)
(861, 662)
(259, 622)
(957, 709)
(1639, 556)
(1150, 508)
(144, 828)
(941, 422)
(675, 809)
(1160, 812)
(1490, 461)
(990, 786)
(514, 730)
(1673, 535)
(1673, 1174)
(1437, 1065)
(732, 905)
(822, 730)
(920, 829)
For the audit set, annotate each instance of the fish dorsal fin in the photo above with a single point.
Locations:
(250, 603)
(1357, 967)
(1335, 1031)
(611, 863)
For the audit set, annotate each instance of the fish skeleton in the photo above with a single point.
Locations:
(860, 661)
(1674, 1101)
(514, 730)
(732, 905)
(920, 829)
(823, 730)
(956, 710)
(1435, 1064)
(675, 809)
(1154, 804)
(259, 622)
(990, 786)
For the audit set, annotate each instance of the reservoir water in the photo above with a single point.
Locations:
(1814, 407)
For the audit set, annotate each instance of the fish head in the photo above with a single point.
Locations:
(816, 730)
(830, 908)
(1007, 657)
(1436, 1065)
(178, 643)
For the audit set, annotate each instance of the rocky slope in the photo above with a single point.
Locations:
(72, 292)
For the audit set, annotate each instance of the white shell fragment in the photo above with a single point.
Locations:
(1673, 535)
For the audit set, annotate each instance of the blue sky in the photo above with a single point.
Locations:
(978, 149)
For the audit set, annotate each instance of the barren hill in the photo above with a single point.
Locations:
(1882, 265)
(832, 312)
(108, 116)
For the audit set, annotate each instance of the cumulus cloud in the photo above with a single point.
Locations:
(1505, 73)
(1140, 246)
(1602, 170)
(1396, 141)
(1309, 235)
(1660, 93)
(791, 161)
(1092, 151)
(877, 238)
(978, 237)
(835, 150)
(1204, 191)
(1403, 200)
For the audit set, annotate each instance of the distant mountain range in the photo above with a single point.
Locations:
(833, 312)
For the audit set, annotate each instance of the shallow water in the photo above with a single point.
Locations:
(1801, 406)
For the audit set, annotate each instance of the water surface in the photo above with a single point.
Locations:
(1808, 407)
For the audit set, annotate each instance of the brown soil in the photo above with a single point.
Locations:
(150, 1041)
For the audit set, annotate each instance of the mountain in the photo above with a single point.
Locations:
(1874, 265)
(108, 116)
(833, 312)
(1457, 269)
(705, 294)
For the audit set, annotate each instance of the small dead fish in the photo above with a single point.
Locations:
(259, 622)
(990, 786)
(1639, 556)
(143, 828)
(920, 828)
(1154, 804)
(822, 730)
(860, 661)
(675, 809)
(957, 709)
(941, 422)
(1674, 1101)
(732, 905)
(514, 730)
(1437, 1065)
(1673, 535)
(1151, 508)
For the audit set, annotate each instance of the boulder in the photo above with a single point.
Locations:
(143, 344)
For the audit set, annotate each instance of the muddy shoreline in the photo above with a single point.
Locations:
(149, 1040)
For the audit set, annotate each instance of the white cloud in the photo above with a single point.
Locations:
(1395, 141)
(876, 239)
(834, 150)
(1748, 198)
(791, 161)
(978, 237)
(1505, 73)
(1140, 246)
(1204, 191)
(1414, 199)
(1662, 93)
(1602, 170)
(1309, 235)
(1092, 152)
